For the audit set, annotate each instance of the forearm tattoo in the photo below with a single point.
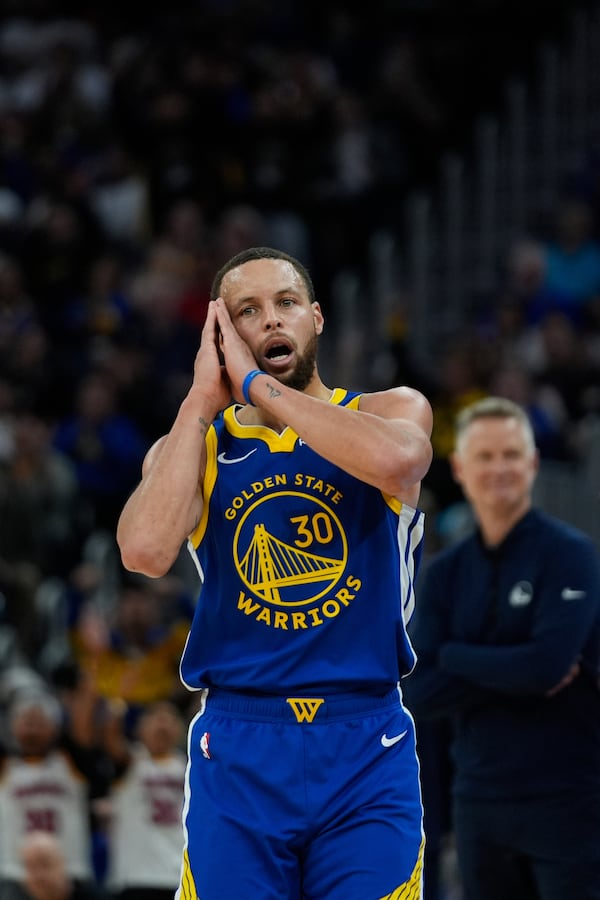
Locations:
(273, 392)
(204, 425)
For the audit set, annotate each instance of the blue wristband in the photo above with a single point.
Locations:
(248, 381)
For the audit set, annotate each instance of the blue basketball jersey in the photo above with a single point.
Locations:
(308, 573)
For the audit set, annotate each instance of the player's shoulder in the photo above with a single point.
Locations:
(401, 402)
(402, 392)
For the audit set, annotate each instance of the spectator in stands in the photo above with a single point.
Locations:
(565, 367)
(120, 198)
(572, 258)
(101, 313)
(132, 654)
(104, 446)
(17, 309)
(457, 384)
(57, 250)
(160, 288)
(238, 227)
(543, 404)
(45, 875)
(49, 771)
(176, 257)
(183, 247)
(25, 361)
(526, 286)
(39, 521)
(145, 830)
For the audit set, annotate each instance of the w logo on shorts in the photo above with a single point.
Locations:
(305, 709)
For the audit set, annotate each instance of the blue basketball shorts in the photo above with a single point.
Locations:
(302, 798)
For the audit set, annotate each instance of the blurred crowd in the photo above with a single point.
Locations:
(135, 158)
(535, 340)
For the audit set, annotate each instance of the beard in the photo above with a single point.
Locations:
(302, 374)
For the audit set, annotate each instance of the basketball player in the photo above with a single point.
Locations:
(299, 504)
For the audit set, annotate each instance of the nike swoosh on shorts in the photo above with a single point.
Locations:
(389, 742)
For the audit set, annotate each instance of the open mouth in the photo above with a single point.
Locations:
(278, 353)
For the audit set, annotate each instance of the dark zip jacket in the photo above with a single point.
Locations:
(494, 632)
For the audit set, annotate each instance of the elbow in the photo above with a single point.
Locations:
(402, 470)
(144, 559)
(144, 565)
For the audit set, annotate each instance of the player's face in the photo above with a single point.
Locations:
(496, 465)
(270, 309)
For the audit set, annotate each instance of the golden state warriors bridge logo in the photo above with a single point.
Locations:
(290, 549)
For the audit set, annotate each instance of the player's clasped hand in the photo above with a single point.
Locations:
(239, 359)
(210, 376)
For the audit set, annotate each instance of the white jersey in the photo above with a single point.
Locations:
(146, 837)
(44, 795)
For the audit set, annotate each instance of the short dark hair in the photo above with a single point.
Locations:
(252, 253)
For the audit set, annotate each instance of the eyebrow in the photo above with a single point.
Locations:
(281, 293)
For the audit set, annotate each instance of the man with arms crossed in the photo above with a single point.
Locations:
(299, 504)
(507, 635)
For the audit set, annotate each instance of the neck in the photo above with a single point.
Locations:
(496, 526)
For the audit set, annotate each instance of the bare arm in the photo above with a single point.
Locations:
(81, 704)
(167, 504)
(385, 443)
(115, 741)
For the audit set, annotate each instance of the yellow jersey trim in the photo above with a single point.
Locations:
(210, 476)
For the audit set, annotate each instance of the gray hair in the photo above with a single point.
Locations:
(492, 408)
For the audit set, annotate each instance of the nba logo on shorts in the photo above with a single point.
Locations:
(204, 744)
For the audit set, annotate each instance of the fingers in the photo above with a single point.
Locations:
(211, 341)
(237, 355)
(209, 329)
(223, 317)
(566, 680)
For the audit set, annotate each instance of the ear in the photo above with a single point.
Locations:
(456, 467)
(318, 318)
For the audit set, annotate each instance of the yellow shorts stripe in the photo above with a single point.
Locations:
(187, 888)
(411, 889)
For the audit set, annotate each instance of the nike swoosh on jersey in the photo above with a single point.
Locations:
(572, 594)
(389, 742)
(236, 459)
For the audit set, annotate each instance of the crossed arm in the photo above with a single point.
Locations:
(385, 443)
(454, 674)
